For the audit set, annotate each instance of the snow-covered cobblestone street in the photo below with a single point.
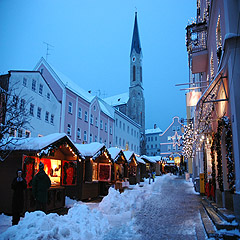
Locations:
(165, 209)
(172, 212)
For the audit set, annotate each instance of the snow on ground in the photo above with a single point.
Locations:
(114, 216)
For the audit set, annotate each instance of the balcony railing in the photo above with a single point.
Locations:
(196, 37)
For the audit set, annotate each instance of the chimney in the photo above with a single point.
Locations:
(155, 126)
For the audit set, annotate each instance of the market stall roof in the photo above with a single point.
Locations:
(148, 159)
(114, 152)
(38, 144)
(91, 149)
(139, 160)
(128, 155)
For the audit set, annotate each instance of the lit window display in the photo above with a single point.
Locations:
(94, 172)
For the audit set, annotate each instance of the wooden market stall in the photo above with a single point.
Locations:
(60, 158)
(142, 167)
(133, 170)
(97, 170)
(120, 170)
(150, 163)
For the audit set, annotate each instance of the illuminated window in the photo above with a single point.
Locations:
(94, 171)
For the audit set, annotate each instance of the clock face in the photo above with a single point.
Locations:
(133, 58)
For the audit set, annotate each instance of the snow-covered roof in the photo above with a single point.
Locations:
(35, 143)
(89, 150)
(71, 85)
(155, 158)
(106, 108)
(114, 152)
(139, 160)
(150, 159)
(128, 154)
(154, 130)
(117, 99)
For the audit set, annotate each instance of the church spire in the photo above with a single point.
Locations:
(135, 39)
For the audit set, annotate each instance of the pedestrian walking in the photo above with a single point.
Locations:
(19, 185)
(153, 175)
(149, 176)
(40, 185)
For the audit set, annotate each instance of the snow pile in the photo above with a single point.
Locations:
(69, 202)
(79, 223)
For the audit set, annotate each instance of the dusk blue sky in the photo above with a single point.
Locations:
(92, 42)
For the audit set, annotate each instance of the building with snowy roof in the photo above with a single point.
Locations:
(29, 90)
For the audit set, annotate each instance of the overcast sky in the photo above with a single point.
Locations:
(92, 42)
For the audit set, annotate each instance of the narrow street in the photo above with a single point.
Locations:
(172, 212)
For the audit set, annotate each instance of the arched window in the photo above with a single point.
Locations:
(134, 72)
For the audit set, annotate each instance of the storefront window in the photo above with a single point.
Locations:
(69, 173)
(104, 172)
(94, 172)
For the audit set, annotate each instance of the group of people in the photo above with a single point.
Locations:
(40, 185)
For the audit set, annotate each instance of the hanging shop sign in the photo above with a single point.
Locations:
(192, 98)
(104, 172)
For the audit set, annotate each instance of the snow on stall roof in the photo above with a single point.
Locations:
(155, 158)
(139, 159)
(153, 130)
(35, 143)
(117, 99)
(144, 157)
(128, 154)
(114, 151)
(89, 149)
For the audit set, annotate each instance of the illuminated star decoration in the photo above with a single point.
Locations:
(176, 139)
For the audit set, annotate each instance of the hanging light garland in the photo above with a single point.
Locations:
(188, 141)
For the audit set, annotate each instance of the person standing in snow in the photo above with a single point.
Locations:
(40, 185)
(19, 185)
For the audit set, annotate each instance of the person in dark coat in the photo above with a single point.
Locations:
(40, 185)
(19, 185)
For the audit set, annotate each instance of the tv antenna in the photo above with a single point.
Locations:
(49, 46)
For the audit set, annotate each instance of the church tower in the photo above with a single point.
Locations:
(136, 102)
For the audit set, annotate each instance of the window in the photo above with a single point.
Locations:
(52, 119)
(69, 130)
(111, 130)
(151, 138)
(94, 108)
(91, 119)
(47, 116)
(101, 124)
(31, 109)
(155, 138)
(120, 124)
(20, 133)
(105, 127)
(110, 144)
(127, 129)
(22, 104)
(131, 146)
(80, 113)
(116, 140)
(40, 89)
(95, 138)
(24, 82)
(123, 142)
(90, 137)
(27, 134)
(116, 122)
(132, 132)
(105, 142)
(147, 146)
(11, 132)
(174, 128)
(178, 128)
(96, 122)
(41, 71)
(141, 74)
(39, 111)
(85, 136)
(70, 107)
(155, 145)
(169, 147)
(174, 148)
(148, 138)
(123, 126)
(15, 101)
(151, 146)
(134, 72)
(34, 85)
(137, 134)
(78, 133)
(120, 142)
(100, 140)
(86, 116)
(179, 147)
(48, 96)
(169, 138)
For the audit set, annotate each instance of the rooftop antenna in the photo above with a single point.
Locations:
(48, 49)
